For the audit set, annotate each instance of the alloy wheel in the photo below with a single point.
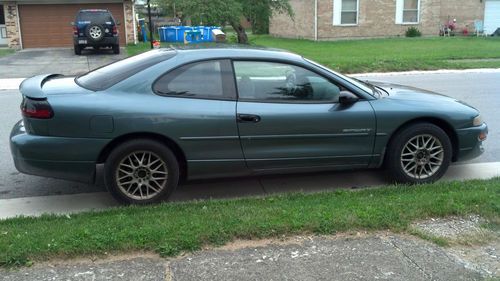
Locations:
(141, 175)
(422, 156)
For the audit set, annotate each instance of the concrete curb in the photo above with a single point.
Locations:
(10, 83)
(67, 204)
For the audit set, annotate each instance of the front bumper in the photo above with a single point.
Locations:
(55, 157)
(470, 145)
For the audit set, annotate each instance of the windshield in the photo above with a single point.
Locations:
(362, 85)
(108, 75)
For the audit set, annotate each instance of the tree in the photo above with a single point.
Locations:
(222, 12)
(258, 12)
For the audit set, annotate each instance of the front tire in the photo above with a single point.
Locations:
(141, 172)
(420, 153)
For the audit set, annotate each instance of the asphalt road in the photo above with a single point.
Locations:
(481, 90)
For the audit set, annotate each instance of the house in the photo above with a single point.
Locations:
(47, 23)
(336, 19)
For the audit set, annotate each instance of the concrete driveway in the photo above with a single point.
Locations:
(30, 62)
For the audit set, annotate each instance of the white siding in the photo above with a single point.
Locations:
(491, 16)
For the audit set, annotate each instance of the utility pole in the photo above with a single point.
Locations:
(150, 24)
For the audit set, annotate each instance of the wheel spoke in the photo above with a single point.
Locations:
(434, 154)
(151, 187)
(152, 163)
(414, 145)
(127, 182)
(159, 172)
(137, 159)
(125, 176)
(135, 190)
(140, 190)
(126, 166)
(142, 158)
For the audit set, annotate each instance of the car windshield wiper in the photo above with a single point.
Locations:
(375, 91)
(383, 90)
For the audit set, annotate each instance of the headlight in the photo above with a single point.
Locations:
(477, 121)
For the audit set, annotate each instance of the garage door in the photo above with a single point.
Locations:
(491, 16)
(50, 25)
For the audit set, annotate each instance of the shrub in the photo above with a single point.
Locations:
(413, 32)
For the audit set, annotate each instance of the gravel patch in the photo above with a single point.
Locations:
(476, 247)
(454, 228)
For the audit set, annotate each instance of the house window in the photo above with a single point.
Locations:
(345, 12)
(407, 11)
(2, 17)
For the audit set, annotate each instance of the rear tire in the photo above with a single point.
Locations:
(420, 153)
(141, 172)
(78, 50)
(116, 49)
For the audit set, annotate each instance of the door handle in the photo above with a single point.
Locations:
(248, 118)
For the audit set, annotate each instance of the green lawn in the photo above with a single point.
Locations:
(174, 227)
(395, 54)
(4, 52)
(382, 55)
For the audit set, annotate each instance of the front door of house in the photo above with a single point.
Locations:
(3, 30)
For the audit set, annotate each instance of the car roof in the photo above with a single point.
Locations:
(236, 51)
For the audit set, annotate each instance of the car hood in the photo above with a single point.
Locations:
(401, 92)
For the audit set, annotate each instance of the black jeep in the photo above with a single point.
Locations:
(95, 28)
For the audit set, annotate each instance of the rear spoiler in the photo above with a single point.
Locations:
(32, 87)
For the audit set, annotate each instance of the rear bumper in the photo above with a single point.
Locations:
(470, 146)
(55, 157)
(106, 41)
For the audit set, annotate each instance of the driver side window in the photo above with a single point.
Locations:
(279, 82)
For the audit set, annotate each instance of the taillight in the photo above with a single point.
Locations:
(39, 109)
(75, 30)
(115, 30)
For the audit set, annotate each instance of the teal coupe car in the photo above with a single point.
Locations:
(146, 123)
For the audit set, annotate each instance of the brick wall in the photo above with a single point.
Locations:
(129, 22)
(301, 27)
(376, 18)
(465, 12)
(11, 24)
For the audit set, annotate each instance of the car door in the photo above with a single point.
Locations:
(199, 111)
(290, 117)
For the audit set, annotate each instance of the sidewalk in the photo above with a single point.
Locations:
(380, 256)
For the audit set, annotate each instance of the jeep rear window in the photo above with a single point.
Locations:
(108, 75)
(95, 16)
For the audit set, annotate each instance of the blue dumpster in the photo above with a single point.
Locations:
(193, 36)
(171, 33)
(206, 33)
(181, 33)
(161, 33)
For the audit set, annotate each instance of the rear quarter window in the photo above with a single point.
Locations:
(95, 16)
(104, 77)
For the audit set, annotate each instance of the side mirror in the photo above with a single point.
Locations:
(347, 98)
